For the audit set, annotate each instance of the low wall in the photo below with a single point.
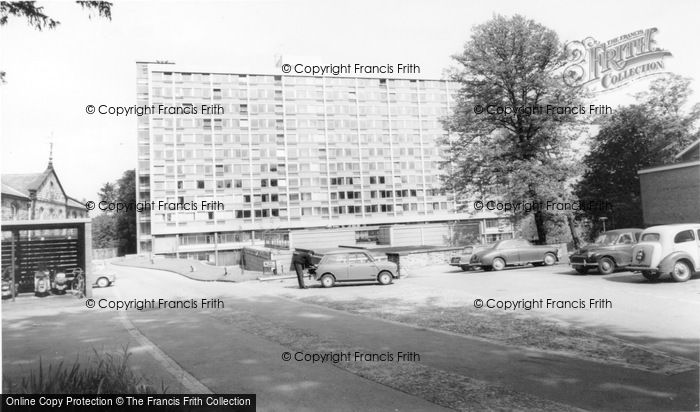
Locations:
(105, 253)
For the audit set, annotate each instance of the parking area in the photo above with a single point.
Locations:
(662, 315)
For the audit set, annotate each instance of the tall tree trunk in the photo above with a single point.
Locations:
(572, 228)
(541, 230)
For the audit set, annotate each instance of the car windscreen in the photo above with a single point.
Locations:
(650, 237)
(606, 239)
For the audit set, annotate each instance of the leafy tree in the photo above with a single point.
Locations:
(38, 20)
(523, 156)
(108, 193)
(638, 136)
(111, 229)
(126, 222)
(104, 231)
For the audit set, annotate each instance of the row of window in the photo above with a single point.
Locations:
(206, 78)
(291, 138)
(291, 123)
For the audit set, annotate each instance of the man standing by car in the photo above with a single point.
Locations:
(301, 260)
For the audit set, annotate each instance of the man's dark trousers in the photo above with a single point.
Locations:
(299, 267)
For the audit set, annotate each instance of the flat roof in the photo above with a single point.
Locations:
(185, 69)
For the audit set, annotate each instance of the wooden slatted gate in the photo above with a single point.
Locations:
(61, 245)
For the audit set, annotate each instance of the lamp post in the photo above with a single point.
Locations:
(603, 219)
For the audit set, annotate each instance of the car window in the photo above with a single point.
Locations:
(625, 239)
(358, 258)
(684, 236)
(504, 244)
(333, 259)
(650, 237)
(636, 236)
(468, 249)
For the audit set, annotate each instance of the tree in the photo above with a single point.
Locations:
(515, 64)
(108, 193)
(38, 20)
(112, 229)
(638, 136)
(126, 221)
(104, 231)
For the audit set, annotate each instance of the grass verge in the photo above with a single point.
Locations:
(99, 373)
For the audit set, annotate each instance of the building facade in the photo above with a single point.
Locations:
(671, 193)
(38, 196)
(270, 152)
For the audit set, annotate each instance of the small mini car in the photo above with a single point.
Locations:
(672, 250)
(353, 265)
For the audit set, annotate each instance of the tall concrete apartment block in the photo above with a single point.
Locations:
(285, 152)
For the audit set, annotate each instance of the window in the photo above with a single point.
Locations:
(333, 259)
(684, 236)
(650, 237)
(358, 258)
(625, 239)
(200, 184)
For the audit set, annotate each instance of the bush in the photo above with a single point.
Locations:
(98, 374)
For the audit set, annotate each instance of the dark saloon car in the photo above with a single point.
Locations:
(610, 251)
(514, 252)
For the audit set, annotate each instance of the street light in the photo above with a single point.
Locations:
(603, 219)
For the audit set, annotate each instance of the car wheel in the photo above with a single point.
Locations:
(498, 264)
(581, 269)
(606, 266)
(549, 259)
(681, 271)
(385, 277)
(465, 267)
(327, 281)
(103, 282)
(651, 276)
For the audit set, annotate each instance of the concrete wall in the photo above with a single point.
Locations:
(671, 196)
(166, 244)
(321, 238)
(412, 235)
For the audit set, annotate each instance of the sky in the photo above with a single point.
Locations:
(53, 74)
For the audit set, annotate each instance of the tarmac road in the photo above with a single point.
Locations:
(237, 348)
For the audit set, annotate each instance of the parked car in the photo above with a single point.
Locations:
(514, 252)
(352, 265)
(103, 275)
(610, 251)
(672, 250)
(464, 257)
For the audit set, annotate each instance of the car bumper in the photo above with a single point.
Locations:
(642, 268)
(583, 264)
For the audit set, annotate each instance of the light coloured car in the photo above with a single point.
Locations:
(672, 250)
(103, 275)
(353, 265)
(463, 258)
